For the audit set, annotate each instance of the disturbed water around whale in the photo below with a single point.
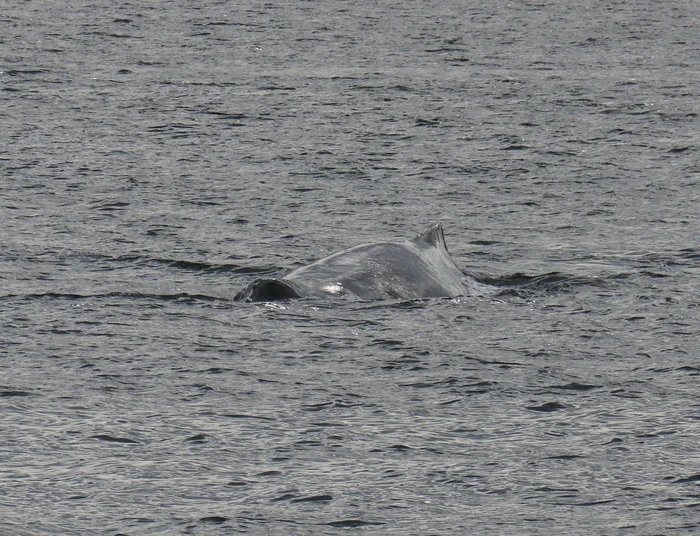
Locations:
(155, 159)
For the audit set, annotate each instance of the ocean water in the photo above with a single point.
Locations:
(156, 157)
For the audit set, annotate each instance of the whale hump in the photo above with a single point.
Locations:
(268, 290)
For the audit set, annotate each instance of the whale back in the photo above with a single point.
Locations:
(417, 268)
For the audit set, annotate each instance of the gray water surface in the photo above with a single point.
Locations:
(156, 157)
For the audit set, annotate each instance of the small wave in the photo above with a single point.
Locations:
(182, 297)
(550, 283)
(143, 260)
(194, 266)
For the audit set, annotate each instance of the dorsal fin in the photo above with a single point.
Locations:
(432, 236)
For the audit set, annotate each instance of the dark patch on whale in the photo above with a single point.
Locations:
(418, 268)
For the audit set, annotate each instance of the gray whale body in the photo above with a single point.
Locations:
(418, 268)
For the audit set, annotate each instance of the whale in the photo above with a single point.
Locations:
(421, 267)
